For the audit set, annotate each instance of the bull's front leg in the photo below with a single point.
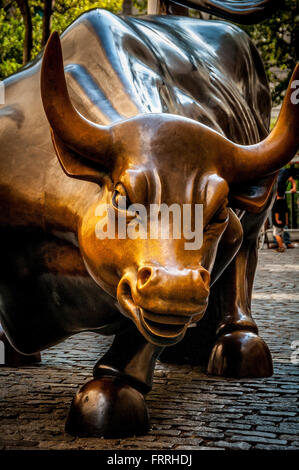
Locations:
(112, 404)
(239, 351)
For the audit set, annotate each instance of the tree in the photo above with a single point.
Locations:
(26, 14)
(127, 7)
(47, 20)
(277, 40)
(25, 26)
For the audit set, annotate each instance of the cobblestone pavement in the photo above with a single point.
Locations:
(188, 409)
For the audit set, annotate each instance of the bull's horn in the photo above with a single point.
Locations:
(81, 135)
(247, 162)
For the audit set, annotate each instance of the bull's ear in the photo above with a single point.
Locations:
(252, 196)
(74, 165)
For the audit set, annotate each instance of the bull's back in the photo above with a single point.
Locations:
(205, 70)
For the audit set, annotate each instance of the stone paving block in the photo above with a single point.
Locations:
(289, 428)
(210, 435)
(196, 448)
(257, 439)
(278, 413)
(274, 447)
(234, 445)
(233, 426)
(165, 432)
(290, 437)
(251, 433)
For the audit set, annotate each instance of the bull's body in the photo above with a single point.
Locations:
(117, 68)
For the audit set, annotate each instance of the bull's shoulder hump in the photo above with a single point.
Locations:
(219, 42)
(211, 33)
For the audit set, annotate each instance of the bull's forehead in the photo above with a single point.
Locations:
(169, 143)
(153, 185)
(165, 158)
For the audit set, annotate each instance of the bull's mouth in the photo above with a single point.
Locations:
(161, 334)
(154, 325)
(159, 329)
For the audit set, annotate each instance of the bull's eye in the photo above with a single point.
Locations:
(120, 198)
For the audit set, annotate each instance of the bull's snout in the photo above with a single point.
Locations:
(162, 301)
(171, 291)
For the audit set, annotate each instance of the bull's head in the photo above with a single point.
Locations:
(157, 158)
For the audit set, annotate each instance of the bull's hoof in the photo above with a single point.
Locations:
(12, 358)
(240, 354)
(107, 407)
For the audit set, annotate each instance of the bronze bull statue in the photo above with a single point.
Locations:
(156, 110)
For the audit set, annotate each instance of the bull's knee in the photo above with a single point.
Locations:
(108, 407)
(240, 354)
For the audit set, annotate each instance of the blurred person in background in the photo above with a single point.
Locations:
(280, 216)
(285, 175)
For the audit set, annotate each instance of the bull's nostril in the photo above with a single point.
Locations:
(143, 276)
(126, 290)
(205, 277)
(124, 297)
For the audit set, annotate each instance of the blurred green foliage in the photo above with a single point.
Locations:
(12, 28)
(11, 44)
(276, 38)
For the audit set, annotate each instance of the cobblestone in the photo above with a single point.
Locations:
(189, 410)
(234, 445)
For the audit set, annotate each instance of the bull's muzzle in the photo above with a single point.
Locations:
(163, 302)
